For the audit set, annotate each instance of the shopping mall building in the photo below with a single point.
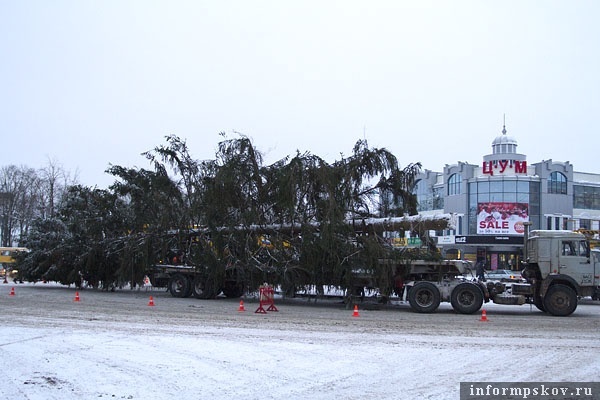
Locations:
(492, 201)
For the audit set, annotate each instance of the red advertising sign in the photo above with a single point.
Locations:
(497, 218)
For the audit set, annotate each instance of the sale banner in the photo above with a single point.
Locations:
(499, 218)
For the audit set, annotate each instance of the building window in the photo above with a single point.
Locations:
(557, 183)
(428, 198)
(438, 198)
(454, 183)
(586, 197)
(424, 196)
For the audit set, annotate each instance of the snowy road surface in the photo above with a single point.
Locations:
(116, 346)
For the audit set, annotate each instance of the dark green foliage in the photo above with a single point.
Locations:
(285, 223)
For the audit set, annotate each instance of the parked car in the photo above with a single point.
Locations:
(504, 275)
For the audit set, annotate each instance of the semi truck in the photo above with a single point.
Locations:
(559, 268)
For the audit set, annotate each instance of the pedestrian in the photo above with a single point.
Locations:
(479, 270)
(399, 288)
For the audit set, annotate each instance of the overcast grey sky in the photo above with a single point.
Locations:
(93, 83)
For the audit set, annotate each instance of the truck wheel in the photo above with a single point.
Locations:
(179, 286)
(424, 297)
(203, 288)
(198, 288)
(466, 298)
(560, 300)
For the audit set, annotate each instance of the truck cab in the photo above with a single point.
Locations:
(560, 268)
(561, 253)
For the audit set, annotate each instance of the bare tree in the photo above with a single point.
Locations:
(17, 206)
(54, 181)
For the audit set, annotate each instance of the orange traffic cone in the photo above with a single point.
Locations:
(483, 316)
(12, 292)
(76, 296)
(241, 306)
(355, 314)
(151, 302)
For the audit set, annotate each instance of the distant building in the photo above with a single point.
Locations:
(494, 199)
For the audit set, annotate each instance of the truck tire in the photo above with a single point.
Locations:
(179, 286)
(424, 297)
(560, 300)
(198, 288)
(466, 298)
(203, 288)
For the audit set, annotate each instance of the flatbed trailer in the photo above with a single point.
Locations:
(187, 280)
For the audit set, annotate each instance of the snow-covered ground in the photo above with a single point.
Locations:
(117, 346)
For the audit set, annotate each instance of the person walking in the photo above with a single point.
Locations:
(479, 270)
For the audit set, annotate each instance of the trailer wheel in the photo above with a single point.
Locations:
(179, 286)
(203, 288)
(466, 298)
(560, 300)
(198, 288)
(424, 297)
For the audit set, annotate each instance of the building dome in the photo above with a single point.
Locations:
(504, 144)
(504, 139)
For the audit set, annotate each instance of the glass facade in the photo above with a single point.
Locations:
(504, 191)
(428, 198)
(438, 198)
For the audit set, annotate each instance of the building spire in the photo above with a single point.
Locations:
(504, 125)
